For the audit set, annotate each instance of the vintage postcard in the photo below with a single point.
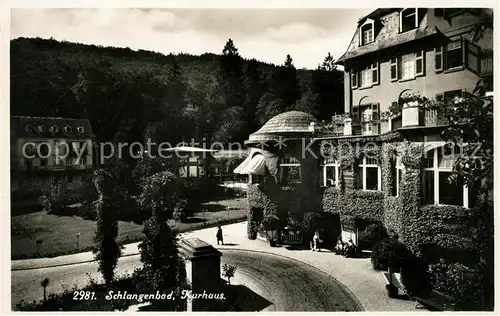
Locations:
(239, 158)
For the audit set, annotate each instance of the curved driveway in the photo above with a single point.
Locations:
(289, 285)
(286, 284)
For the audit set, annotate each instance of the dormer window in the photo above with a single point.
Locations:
(68, 129)
(28, 128)
(80, 129)
(408, 19)
(54, 128)
(367, 32)
(41, 128)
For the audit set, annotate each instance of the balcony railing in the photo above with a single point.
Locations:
(434, 118)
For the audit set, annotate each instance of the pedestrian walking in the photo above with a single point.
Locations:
(219, 236)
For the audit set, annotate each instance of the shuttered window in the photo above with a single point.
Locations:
(438, 59)
(394, 69)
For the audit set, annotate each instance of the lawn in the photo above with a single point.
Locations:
(59, 232)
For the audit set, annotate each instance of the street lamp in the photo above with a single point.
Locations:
(77, 241)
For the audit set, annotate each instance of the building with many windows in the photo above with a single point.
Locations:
(384, 160)
(46, 149)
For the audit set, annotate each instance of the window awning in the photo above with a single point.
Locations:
(256, 165)
(242, 165)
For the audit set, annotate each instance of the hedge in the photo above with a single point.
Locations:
(357, 203)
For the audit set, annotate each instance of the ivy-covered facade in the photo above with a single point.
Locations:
(394, 178)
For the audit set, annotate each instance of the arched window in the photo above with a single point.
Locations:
(436, 183)
(80, 129)
(41, 128)
(68, 129)
(54, 128)
(408, 19)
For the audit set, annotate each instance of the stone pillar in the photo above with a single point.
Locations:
(203, 272)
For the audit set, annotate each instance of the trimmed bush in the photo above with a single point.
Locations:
(372, 235)
(460, 282)
(389, 254)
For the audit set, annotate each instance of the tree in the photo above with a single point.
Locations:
(269, 105)
(285, 84)
(309, 103)
(228, 271)
(231, 78)
(328, 83)
(106, 249)
(44, 283)
(471, 122)
(163, 268)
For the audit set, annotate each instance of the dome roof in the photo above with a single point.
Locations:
(288, 122)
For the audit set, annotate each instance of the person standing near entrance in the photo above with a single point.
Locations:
(316, 241)
(219, 236)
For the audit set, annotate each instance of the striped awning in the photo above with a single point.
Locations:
(256, 165)
(242, 165)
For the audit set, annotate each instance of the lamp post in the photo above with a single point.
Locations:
(77, 241)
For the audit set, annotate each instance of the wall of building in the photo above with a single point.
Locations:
(431, 83)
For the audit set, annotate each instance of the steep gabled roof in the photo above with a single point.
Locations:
(387, 35)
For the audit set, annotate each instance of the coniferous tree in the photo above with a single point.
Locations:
(106, 248)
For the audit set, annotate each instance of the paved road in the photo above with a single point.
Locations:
(281, 284)
(287, 284)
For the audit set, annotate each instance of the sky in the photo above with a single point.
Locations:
(268, 35)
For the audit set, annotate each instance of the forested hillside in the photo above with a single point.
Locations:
(132, 95)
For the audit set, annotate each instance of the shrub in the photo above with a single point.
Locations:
(310, 223)
(252, 229)
(271, 222)
(54, 197)
(389, 254)
(372, 235)
(161, 192)
(460, 282)
(415, 277)
(181, 210)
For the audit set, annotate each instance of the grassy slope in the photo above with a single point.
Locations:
(59, 232)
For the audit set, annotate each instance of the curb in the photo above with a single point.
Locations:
(66, 264)
(361, 306)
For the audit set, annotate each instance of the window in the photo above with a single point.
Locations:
(290, 170)
(367, 35)
(473, 57)
(366, 79)
(369, 76)
(28, 128)
(54, 128)
(331, 173)
(454, 55)
(436, 184)
(41, 128)
(408, 19)
(80, 129)
(354, 80)
(394, 69)
(397, 174)
(68, 129)
(408, 66)
(368, 115)
(369, 175)
(367, 32)
(438, 59)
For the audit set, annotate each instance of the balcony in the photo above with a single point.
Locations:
(434, 118)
